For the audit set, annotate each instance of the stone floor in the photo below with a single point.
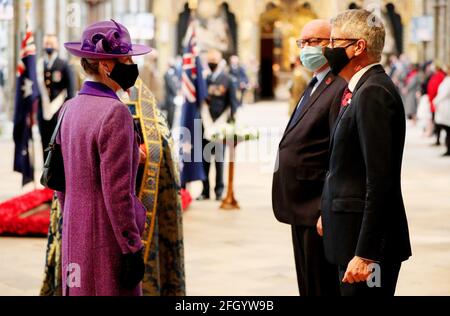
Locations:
(247, 252)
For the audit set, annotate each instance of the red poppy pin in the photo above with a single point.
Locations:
(347, 99)
(329, 81)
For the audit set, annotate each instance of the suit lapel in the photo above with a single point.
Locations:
(373, 70)
(341, 114)
(320, 89)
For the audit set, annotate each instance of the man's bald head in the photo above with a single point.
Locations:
(214, 56)
(316, 29)
(51, 41)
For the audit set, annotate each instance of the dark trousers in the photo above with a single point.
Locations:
(437, 129)
(447, 139)
(218, 151)
(315, 276)
(389, 275)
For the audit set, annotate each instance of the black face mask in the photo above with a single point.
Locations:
(337, 58)
(49, 51)
(212, 66)
(125, 75)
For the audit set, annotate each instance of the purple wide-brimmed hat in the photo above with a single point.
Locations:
(107, 39)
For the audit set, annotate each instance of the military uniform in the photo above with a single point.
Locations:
(172, 87)
(221, 98)
(240, 81)
(57, 86)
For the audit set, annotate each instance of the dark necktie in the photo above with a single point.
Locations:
(303, 102)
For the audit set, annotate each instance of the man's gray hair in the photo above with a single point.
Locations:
(362, 24)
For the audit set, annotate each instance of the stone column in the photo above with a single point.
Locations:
(16, 34)
(95, 10)
(441, 31)
(166, 19)
(447, 32)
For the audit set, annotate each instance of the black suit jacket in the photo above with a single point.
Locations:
(303, 157)
(362, 205)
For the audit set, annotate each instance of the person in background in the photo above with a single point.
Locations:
(432, 89)
(239, 77)
(172, 84)
(56, 83)
(2, 75)
(222, 105)
(424, 118)
(2, 84)
(411, 91)
(442, 105)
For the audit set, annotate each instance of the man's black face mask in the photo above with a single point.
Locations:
(337, 58)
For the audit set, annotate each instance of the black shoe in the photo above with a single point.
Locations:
(436, 145)
(219, 198)
(447, 154)
(203, 198)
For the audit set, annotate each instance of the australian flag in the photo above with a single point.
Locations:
(195, 93)
(27, 93)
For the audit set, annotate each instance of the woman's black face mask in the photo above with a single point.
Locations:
(337, 58)
(125, 75)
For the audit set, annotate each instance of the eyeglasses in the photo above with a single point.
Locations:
(334, 40)
(311, 42)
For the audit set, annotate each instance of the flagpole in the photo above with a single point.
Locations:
(28, 6)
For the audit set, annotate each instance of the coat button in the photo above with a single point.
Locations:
(131, 243)
(125, 234)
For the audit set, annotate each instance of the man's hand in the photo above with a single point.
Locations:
(319, 227)
(357, 271)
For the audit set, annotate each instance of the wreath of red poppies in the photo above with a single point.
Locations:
(27, 215)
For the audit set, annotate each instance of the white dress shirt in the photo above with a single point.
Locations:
(358, 76)
(320, 77)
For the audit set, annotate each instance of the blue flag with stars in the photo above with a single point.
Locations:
(195, 93)
(27, 94)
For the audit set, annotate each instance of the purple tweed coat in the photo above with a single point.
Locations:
(102, 217)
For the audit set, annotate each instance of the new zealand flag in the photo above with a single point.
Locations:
(27, 93)
(195, 93)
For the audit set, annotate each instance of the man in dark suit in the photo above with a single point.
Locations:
(56, 87)
(364, 222)
(303, 162)
(222, 105)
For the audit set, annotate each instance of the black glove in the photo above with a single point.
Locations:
(132, 271)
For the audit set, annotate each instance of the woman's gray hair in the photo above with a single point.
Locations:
(362, 24)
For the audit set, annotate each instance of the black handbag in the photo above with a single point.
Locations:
(53, 176)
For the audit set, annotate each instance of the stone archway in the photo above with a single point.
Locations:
(280, 27)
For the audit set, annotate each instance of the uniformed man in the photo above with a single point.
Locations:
(222, 105)
(239, 76)
(56, 85)
(172, 84)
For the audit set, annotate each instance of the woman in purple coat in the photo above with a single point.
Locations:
(103, 219)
